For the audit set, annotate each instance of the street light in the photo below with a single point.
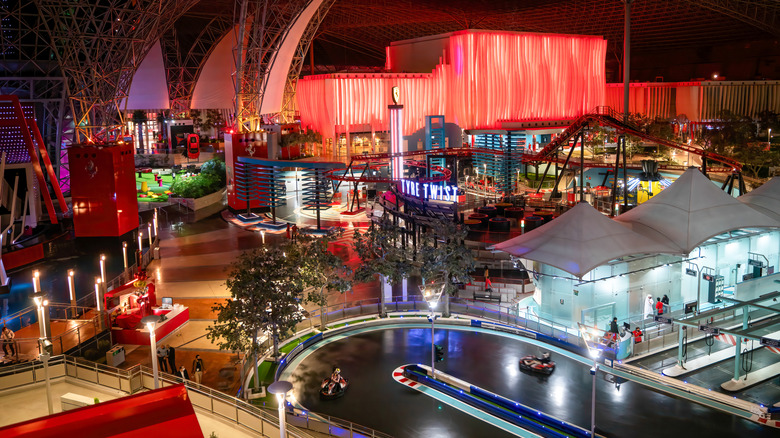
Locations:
(769, 136)
(594, 353)
(140, 241)
(151, 323)
(281, 388)
(262, 235)
(149, 233)
(36, 281)
(41, 302)
(124, 254)
(71, 290)
(102, 268)
(432, 293)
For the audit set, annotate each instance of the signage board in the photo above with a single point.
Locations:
(758, 263)
(690, 272)
(429, 191)
(707, 277)
(767, 342)
(705, 328)
(690, 307)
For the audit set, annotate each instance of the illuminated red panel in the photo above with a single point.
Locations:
(485, 78)
(136, 416)
(105, 201)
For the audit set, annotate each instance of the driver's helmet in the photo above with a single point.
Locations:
(545, 355)
(337, 371)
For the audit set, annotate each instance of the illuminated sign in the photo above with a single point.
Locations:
(707, 277)
(430, 191)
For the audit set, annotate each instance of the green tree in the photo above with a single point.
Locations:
(265, 288)
(728, 132)
(755, 157)
(380, 253)
(321, 269)
(443, 257)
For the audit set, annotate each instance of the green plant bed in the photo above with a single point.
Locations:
(265, 372)
(289, 347)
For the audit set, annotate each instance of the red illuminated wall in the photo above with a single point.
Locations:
(242, 145)
(484, 78)
(102, 181)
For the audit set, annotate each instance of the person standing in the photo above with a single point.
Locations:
(488, 283)
(613, 326)
(665, 301)
(197, 368)
(637, 335)
(162, 358)
(649, 305)
(171, 358)
(659, 306)
(8, 341)
(183, 374)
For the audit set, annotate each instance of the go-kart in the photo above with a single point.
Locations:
(542, 365)
(333, 387)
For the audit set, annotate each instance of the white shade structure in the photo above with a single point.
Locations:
(580, 240)
(691, 211)
(765, 199)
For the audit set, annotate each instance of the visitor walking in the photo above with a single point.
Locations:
(197, 368)
(162, 358)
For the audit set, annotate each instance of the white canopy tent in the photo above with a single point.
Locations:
(765, 199)
(691, 211)
(580, 240)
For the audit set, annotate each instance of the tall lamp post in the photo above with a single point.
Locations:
(102, 268)
(432, 293)
(72, 290)
(41, 302)
(594, 353)
(151, 323)
(281, 388)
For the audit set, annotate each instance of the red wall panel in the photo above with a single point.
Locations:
(105, 202)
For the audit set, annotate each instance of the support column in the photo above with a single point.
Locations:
(626, 58)
(737, 357)
(680, 347)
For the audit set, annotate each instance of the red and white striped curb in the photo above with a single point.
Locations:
(398, 376)
(732, 340)
(766, 422)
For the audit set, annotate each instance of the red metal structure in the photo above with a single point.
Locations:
(22, 142)
(165, 411)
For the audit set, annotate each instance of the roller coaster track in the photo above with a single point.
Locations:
(606, 116)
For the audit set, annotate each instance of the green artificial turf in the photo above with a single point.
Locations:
(154, 187)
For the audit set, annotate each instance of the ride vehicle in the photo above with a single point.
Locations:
(334, 386)
(542, 365)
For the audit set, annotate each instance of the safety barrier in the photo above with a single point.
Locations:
(508, 410)
(257, 420)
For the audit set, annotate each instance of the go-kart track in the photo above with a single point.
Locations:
(368, 356)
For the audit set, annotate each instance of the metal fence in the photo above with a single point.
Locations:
(261, 421)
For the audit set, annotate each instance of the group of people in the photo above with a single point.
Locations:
(659, 307)
(166, 358)
(613, 335)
